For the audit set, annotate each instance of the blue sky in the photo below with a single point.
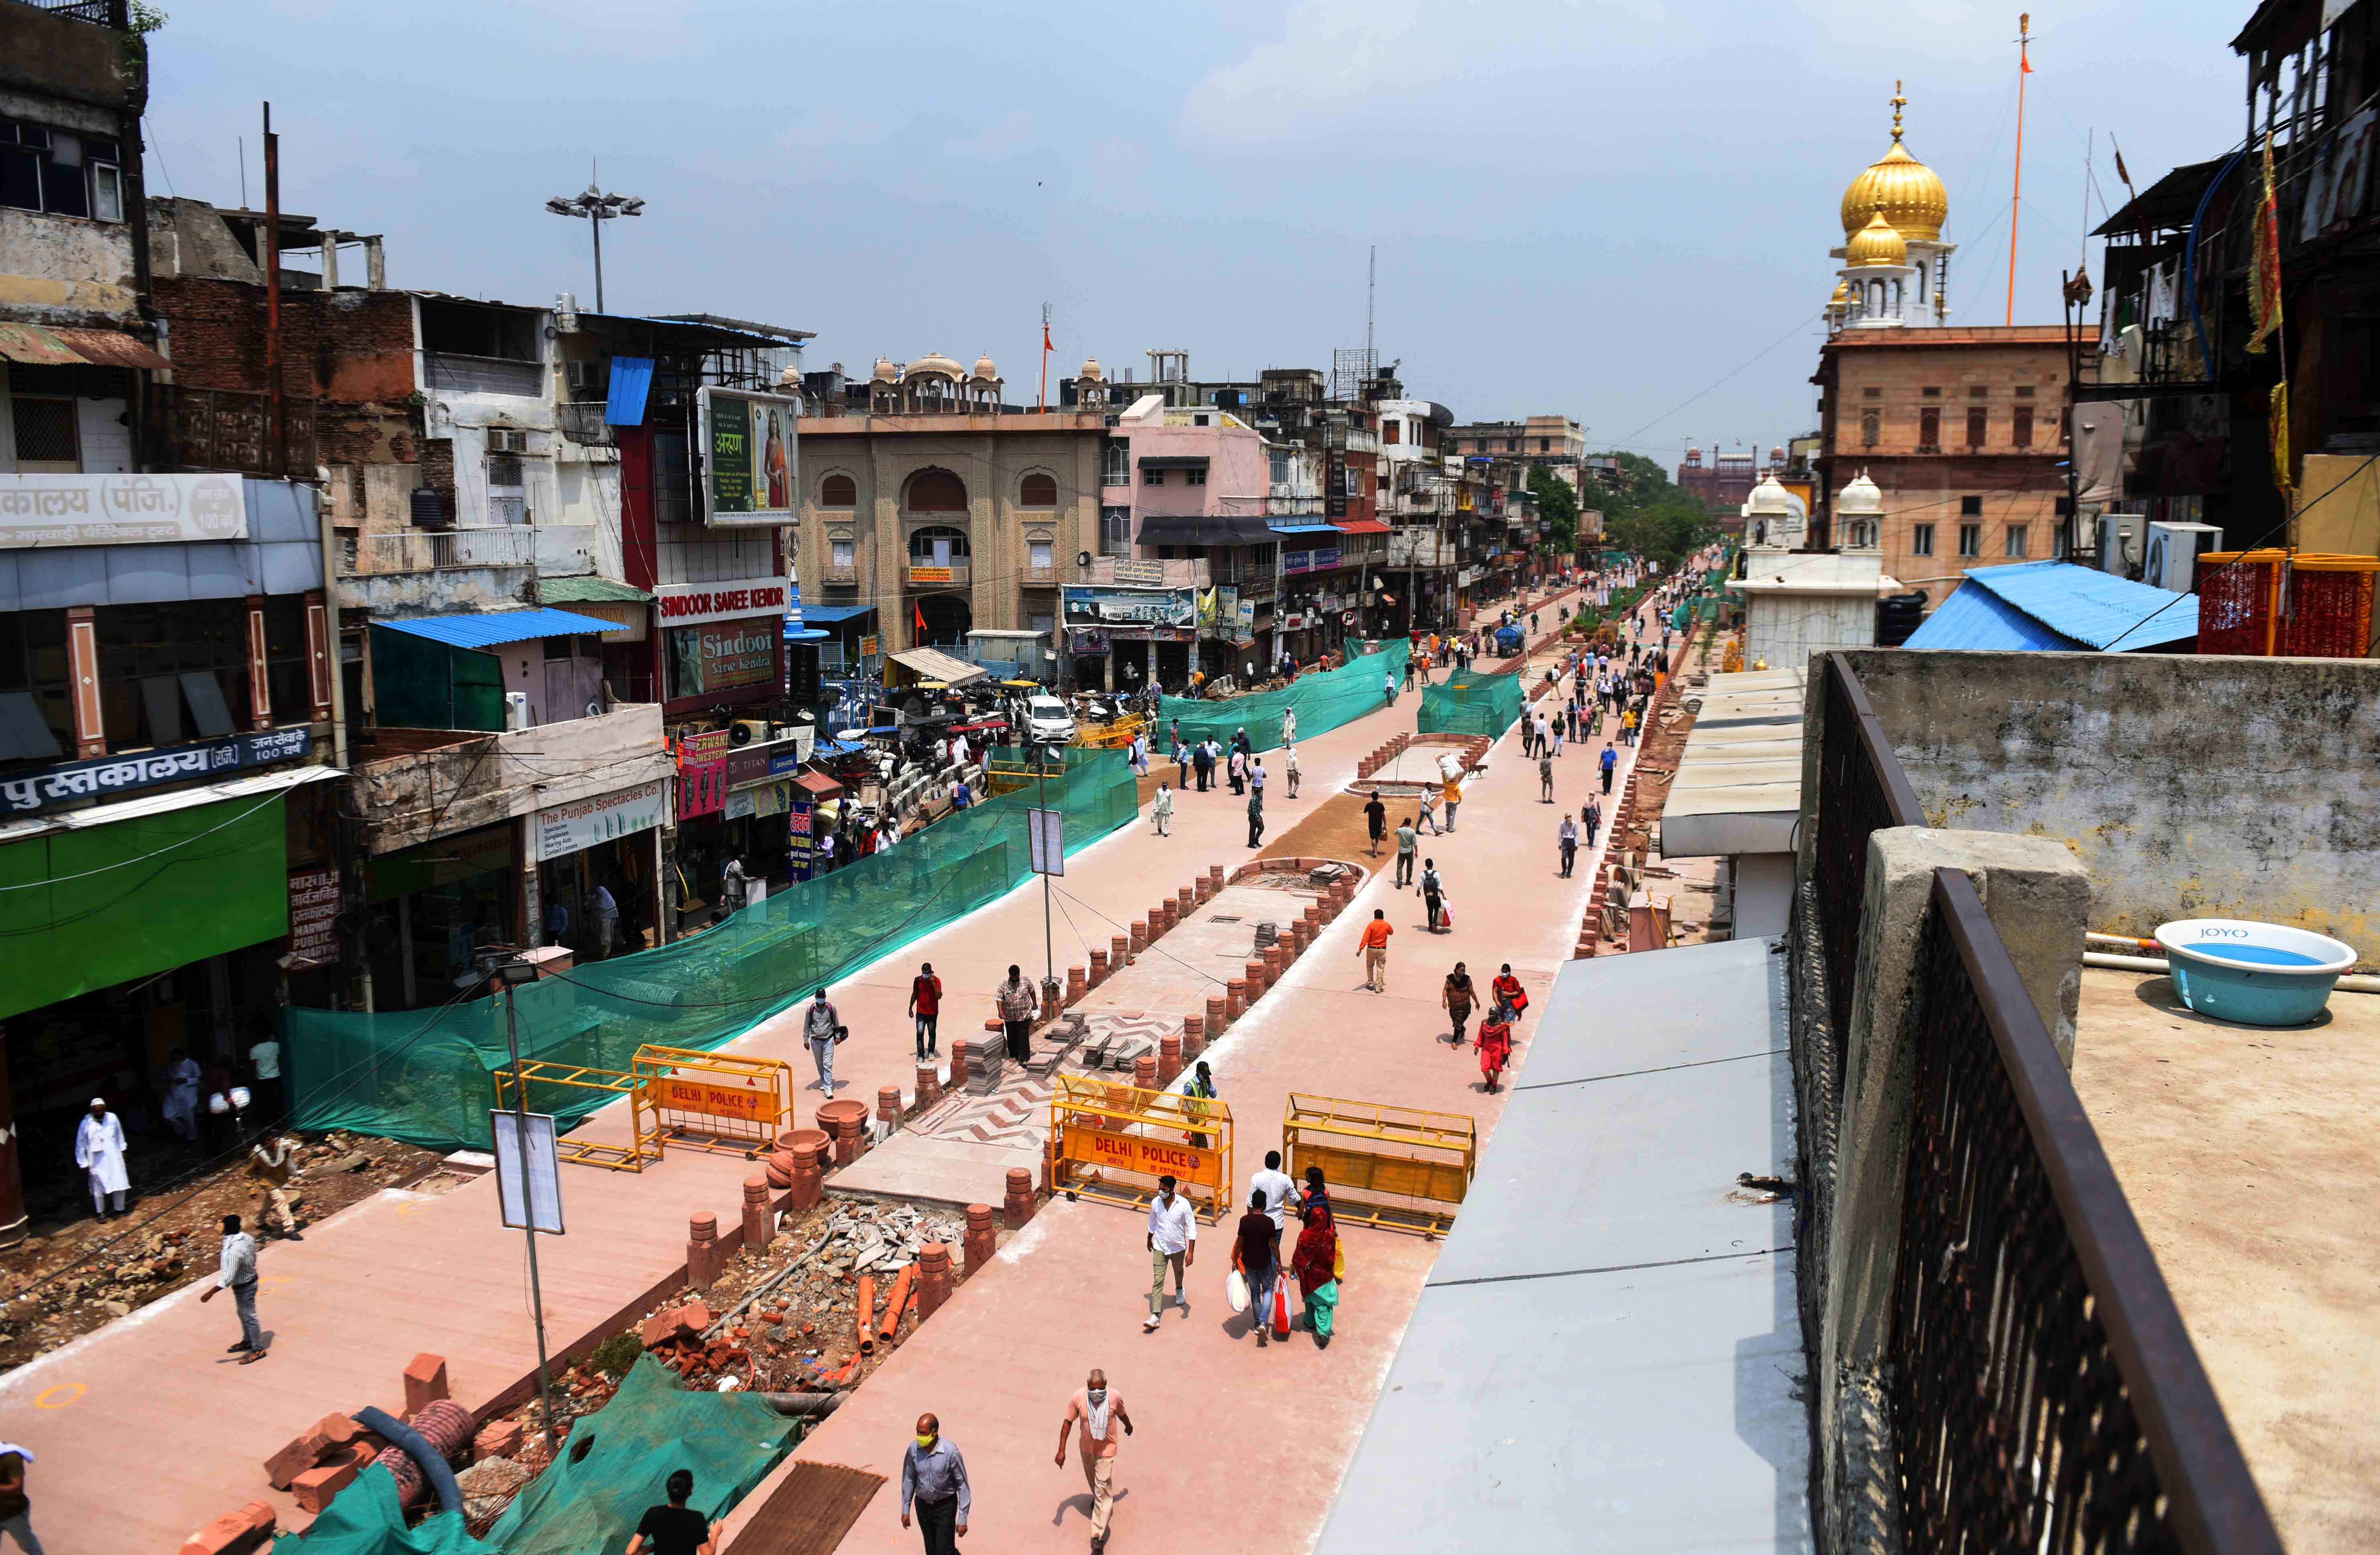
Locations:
(1595, 210)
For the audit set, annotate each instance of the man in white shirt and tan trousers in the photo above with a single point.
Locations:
(1173, 1240)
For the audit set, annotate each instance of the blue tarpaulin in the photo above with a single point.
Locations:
(484, 629)
(632, 379)
(2056, 605)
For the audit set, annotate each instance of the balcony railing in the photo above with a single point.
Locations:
(2043, 1393)
(583, 423)
(225, 429)
(846, 577)
(423, 550)
(1038, 577)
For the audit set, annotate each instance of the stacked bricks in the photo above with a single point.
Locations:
(235, 1532)
(425, 1382)
(760, 1225)
(933, 1279)
(1017, 1207)
(981, 1237)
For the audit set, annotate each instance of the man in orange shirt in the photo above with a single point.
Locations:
(1374, 951)
(1094, 1413)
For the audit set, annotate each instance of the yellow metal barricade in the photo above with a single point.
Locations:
(1397, 1168)
(1110, 736)
(713, 1100)
(1111, 1141)
(643, 1145)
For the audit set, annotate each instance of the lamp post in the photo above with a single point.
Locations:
(598, 208)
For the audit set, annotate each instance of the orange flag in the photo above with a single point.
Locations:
(2264, 276)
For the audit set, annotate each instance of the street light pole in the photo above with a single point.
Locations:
(598, 208)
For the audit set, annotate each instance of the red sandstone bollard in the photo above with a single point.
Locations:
(1139, 937)
(1276, 960)
(888, 1105)
(813, 1145)
(1194, 1035)
(1301, 935)
(1144, 1071)
(1099, 968)
(758, 1224)
(1215, 876)
(1168, 1058)
(1118, 951)
(929, 1085)
(704, 1259)
(958, 1063)
(1201, 889)
(1078, 984)
(1312, 917)
(777, 1169)
(1183, 901)
(1257, 979)
(1235, 998)
(933, 1279)
(980, 1237)
(1218, 1016)
(1018, 1207)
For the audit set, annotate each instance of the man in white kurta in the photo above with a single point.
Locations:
(99, 1150)
(181, 1105)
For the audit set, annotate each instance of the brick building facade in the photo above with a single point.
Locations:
(1962, 429)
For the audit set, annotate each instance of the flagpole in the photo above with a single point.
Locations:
(2024, 68)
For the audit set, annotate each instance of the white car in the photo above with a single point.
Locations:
(1046, 721)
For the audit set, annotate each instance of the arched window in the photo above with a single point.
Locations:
(1038, 491)
(838, 491)
(937, 546)
(937, 491)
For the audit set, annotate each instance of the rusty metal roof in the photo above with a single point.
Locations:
(106, 348)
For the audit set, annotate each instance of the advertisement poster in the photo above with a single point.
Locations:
(573, 828)
(749, 470)
(722, 656)
(1088, 606)
(799, 849)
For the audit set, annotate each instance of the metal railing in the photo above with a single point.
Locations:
(1861, 788)
(2045, 1394)
(99, 13)
(432, 551)
(584, 423)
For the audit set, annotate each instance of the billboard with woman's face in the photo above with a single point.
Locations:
(749, 473)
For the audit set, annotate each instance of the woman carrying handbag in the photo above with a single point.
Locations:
(1318, 1263)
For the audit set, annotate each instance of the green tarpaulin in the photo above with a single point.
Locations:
(424, 1076)
(1324, 699)
(89, 907)
(1469, 703)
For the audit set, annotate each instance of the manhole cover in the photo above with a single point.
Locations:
(1222, 920)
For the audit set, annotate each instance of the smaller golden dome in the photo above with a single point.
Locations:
(1876, 244)
(1842, 299)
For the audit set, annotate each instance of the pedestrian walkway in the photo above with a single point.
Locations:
(1212, 1410)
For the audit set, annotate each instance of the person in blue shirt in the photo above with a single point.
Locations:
(1610, 759)
(934, 1479)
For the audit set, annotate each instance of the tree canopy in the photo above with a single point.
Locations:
(1650, 515)
(1558, 505)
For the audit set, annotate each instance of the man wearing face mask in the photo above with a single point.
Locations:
(934, 1476)
(1098, 1412)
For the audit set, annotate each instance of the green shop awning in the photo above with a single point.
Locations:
(86, 906)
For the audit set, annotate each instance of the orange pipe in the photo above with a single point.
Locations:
(895, 1302)
(865, 1308)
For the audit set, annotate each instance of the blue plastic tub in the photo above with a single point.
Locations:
(2258, 974)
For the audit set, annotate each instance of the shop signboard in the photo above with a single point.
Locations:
(313, 916)
(42, 512)
(724, 656)
(1145, 574)
(105, 777)
(868, 646)
(1296, 562)
(749, 468)
(801, 851)
(695, 604)
(701, 788)
(1248, 622)
(771, 799)
(928, 574)
(573, 828)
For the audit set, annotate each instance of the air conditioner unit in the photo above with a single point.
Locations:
(2170, 560)
(508, 440)
(2119, 542)
(587, 376)
(748, 732)
(515, 711)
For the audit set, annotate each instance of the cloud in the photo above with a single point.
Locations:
(1012, 131)
(1336, 55)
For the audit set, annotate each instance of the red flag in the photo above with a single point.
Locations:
(920, 612)
(1045, 337)
(2024, 62)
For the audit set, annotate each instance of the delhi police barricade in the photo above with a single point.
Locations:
(1112, 1141)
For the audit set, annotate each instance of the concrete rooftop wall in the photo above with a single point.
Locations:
(2187, 787)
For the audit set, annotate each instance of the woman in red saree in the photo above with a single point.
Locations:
(1496, 1042)
(1315, 1262)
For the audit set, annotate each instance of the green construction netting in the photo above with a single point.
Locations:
(615, 1463)
(424, 1076)
(367, 1519)
(1324, 699)
(1471, 703)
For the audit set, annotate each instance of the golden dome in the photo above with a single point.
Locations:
(1913, 200)
(1878, 243)
(1842, 299)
